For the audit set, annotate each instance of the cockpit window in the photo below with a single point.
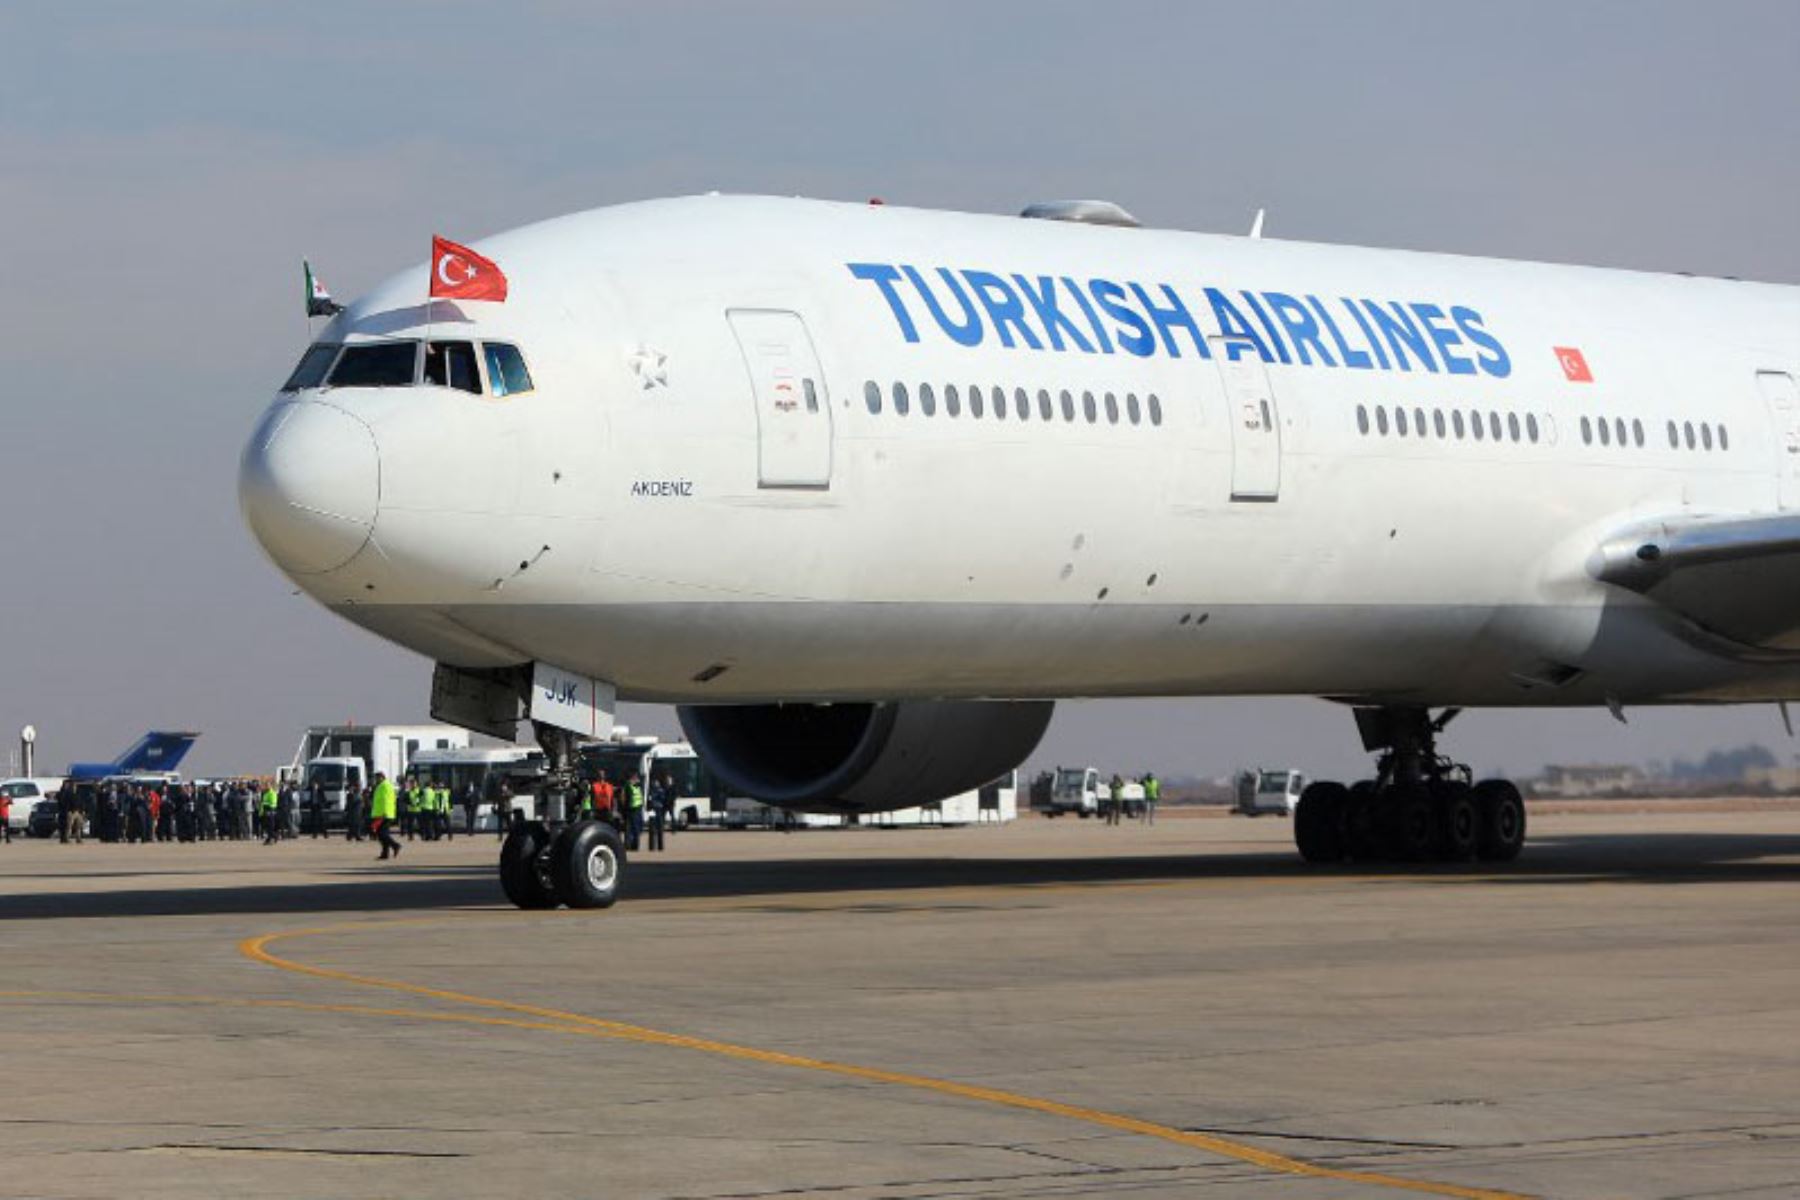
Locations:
(378, 364)
(452, 364)
(313, 365)
(507, 375)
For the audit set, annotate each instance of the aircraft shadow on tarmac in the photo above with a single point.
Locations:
(1651, 858)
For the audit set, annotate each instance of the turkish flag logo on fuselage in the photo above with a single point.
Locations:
(458, 273)
(1574, 364)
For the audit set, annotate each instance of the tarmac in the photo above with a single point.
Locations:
(1044, 1009)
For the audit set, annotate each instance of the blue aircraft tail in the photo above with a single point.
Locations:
(158, 750)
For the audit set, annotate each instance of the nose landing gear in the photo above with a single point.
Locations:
(1420, 807)
(547, 863)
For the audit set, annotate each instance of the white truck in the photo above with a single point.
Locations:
(1085, 792)
(342, 757)
(1269, 792)
(25, 793)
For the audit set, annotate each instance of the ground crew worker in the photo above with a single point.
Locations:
(316, 803)
(445, 825)
(268, 806)
(1152, 793)
(657, 815)
(381, 816)
(6, 816)
(471, 799)
(634, 812)
(407, 800)
(503, 800)
(1115, 805)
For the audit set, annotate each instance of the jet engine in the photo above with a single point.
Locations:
(850, 758)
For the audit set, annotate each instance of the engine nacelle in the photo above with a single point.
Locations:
(863, 757)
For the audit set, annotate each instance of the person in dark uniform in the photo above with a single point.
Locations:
(471, 800)
(503, 803)
(356, 812)
(316, 808)
(656, 816)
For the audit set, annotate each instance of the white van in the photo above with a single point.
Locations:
(25, 794)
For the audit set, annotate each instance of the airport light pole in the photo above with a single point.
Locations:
(27, 746)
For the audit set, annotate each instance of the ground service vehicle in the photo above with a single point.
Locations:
(25, 793)
(1267, 792)
(342, 757)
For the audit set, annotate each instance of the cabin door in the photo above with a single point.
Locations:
(1255, 422)
(1783, 398)
(793, 413)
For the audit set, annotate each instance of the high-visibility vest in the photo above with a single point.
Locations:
(270, 800)
(381, 803)
(634, 796)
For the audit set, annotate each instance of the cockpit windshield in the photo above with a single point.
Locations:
(313, 365)
(452, 364)
(377, 364)
(507, 375)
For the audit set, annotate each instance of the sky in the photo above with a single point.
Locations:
(164, 168)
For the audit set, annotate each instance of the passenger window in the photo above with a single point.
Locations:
(1381, 425)
(1619, 430)
(1531, 427)
(901, 402)
(1362, 420)
(507, 375)
(927, 401)
(1637, 432)
(1021, 404)
(1456, 422)
(1268, 418)
(1400, 421)
(1155, 410)
(975, 401)
(452, 364)
(1046, 406)
(872, 396)
(998, 407)
(1674, 437)
(1475, 426)
(1112, 409)
(1587, 432)
(1437, 421)
(1494, 424)
(1131, 407)
(1605, 432)
(1068, 406)
(812, 394)
(381, 364)
(1087, 407)
(1687, 431)
(313, 365)
(1706, 436)
(1419, 421)
(1724, 441)
(952, 403)
(1512, 426)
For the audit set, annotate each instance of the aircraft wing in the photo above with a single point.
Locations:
(1734, 576)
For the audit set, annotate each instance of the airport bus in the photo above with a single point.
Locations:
(486, 769)
(698, 798)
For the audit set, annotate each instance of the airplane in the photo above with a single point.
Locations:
(865, 489)
(158, 750)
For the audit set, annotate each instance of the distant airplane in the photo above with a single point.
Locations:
(865, 489)
(158, 750)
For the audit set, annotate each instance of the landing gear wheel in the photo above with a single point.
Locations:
(1500, 825)
(1360, 842)
(1319, 822)
(587, 863)
(1407, 825)
(522, 877)
(1458, 822)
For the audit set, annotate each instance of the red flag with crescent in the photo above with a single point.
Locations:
(458, 273)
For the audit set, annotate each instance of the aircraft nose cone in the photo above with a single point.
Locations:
(309, 485)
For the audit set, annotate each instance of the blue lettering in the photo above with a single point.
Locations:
(1429, 316)
(1235, 328)
(883, 277)
(1352, 357)
(1043, 302)
(1111, 297)
(1495, 361)
(966, 333)
(1301, 328)
(1401, 335)
(1274, 337)
(1174, 316)
(1093, 318)
(1362, 322)
(1003, 307)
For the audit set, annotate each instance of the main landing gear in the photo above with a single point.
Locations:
(1420, 807)
(549, 862)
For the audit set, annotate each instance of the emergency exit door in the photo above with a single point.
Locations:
(793, 413)
(1255, 422)
(1782, 396)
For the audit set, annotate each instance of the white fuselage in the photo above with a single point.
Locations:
(698, 503)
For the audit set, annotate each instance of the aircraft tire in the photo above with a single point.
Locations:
(521, 878)
(1319, 822)
(1360, 841)
(587, 862)
(1407, 825)
(1458, 822)
(1501, 824)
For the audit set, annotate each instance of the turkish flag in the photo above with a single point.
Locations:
(1574, 364)
(458, 273)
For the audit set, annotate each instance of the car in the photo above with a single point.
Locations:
(25, 794)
